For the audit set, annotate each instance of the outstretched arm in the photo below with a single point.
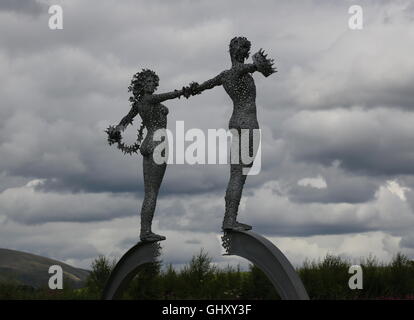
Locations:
(209, 84)
(157, 98)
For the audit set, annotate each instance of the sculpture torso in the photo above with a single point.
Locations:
(242, 91)
(154, 117)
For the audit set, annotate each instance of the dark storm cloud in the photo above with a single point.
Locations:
(84, 81)
(75, 79)
(408, 242)
(27, 206)
(376, 142)
(61, 89)
(311, 229)
(32, 7)
(7, 181)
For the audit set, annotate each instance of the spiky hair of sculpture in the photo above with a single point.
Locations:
(235, 44)
(138, 83)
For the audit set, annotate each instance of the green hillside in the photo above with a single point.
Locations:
(32, 270)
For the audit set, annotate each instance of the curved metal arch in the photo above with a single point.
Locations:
(247, 244)
(265, 255)
(128, 266)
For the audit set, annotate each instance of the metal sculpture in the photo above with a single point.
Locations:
(247, 244)
(154, 116)
(128, 266)
(265, 255)
(239, 85)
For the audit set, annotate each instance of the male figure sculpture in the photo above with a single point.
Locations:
(240, 86)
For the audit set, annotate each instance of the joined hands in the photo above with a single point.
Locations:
(191, 90)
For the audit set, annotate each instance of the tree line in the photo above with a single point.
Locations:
(201, 279)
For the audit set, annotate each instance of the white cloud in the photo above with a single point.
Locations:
(398, 190)
(318, 182)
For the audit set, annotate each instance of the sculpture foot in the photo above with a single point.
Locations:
(151, 237)
(237, 226)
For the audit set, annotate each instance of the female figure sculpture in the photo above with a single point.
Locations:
(154, 117)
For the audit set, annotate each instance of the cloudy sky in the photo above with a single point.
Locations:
(337, 124)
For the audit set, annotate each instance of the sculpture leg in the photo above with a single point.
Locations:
(153, 175)
(233, 197)
(236, 184)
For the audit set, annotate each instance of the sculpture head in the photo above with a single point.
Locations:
(239, 49)
(144, 82)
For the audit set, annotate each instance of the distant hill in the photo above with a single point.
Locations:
(32, 270)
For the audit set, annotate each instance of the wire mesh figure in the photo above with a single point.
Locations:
(154, 117)
(239, 85)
